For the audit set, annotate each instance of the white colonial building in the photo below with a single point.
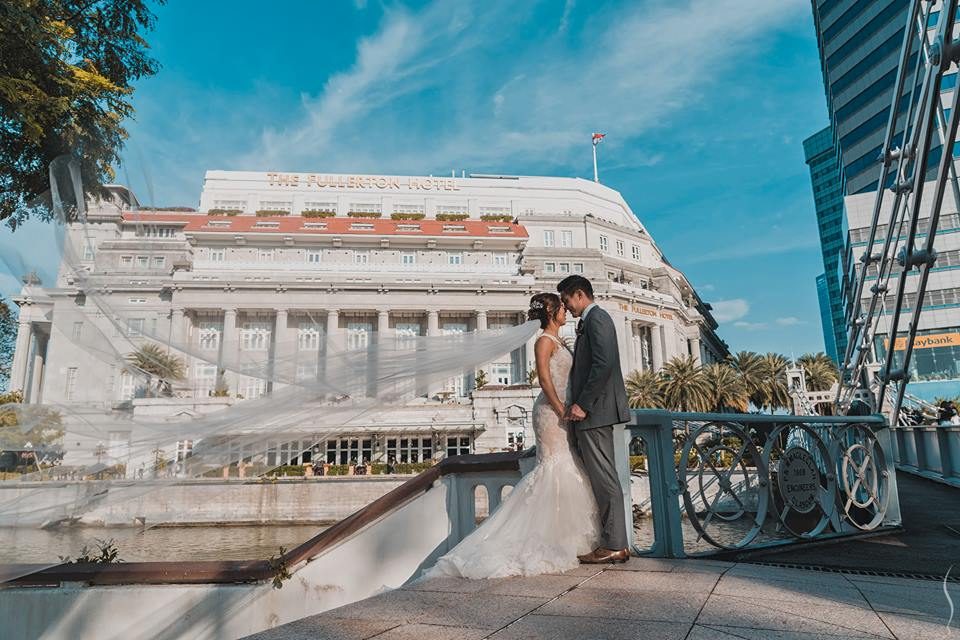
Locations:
(274, 259)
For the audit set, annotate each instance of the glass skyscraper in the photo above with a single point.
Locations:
(821, 157)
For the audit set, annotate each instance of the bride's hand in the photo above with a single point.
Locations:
(560, 410)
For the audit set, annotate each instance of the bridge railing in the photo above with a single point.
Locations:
(928, 450)
(727, 482)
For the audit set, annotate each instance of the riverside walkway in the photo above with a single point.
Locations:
(648, 599)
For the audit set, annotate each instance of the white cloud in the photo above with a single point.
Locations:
(743, 324)
(789, 321)
(565, 18)
(730, 310)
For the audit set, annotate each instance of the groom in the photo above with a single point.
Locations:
(598, 401)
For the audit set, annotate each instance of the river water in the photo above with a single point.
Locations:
(154, 543)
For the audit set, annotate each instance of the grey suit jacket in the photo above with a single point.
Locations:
(596, 380)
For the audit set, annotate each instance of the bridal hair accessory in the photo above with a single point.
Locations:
(536, 305)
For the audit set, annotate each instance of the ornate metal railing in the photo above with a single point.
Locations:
(929, 450)
(737, 482)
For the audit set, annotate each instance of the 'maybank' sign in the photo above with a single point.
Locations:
(318, 181)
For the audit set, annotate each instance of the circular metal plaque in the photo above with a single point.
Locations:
(799, 479)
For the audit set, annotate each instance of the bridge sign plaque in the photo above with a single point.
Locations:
(799, 479)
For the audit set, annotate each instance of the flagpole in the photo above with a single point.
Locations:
(596, 176)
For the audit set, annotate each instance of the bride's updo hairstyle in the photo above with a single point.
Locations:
(543, 307)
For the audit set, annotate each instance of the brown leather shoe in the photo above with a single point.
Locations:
(606, 556)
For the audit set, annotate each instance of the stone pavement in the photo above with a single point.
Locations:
(645, 599)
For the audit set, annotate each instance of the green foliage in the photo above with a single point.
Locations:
(532, 376)
(481, 379)
(156, 363)
(819, 370)
(492, 217)
(685, 386)
(753, 373)
(20, 423)
(778, 395)
(644, 390)
(317, 213)
(452, 217)
(407, 216)
(223, 212)
(281, 571)
(363, 214)
(727, 390)
(271, 213)
(105, 553)
(8, 341)
(67, 69)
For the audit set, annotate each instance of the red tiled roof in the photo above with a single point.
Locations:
(198, 222)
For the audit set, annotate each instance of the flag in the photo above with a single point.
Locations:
(597, 138)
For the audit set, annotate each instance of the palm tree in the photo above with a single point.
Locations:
(777, 393)
(685, 387)
(753, 372)
(644, 390)
(156, 363)
(727, 391)
(819, 370)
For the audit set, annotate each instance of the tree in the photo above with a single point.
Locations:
(67, 69)
(685, 387)
(23, 424)
(480, 381)
(753, 372)
(156, 363)
(777, 393)
(820, 371)
(727, 391)
(644, 390)
(8, 341)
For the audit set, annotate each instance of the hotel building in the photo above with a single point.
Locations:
(291, 261)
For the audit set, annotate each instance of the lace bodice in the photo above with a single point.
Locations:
(549, 429)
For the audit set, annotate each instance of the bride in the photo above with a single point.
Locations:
(550, 517)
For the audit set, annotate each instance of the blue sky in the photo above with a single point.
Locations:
(705, 103)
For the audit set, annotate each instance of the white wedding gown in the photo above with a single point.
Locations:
(548, 519)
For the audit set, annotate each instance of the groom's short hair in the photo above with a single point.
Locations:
(571, 284)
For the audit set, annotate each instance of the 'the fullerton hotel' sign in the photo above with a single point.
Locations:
(312, 180)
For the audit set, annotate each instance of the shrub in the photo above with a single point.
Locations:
(638, 463)
(222, 212)
(494, 217)
(317, 213)
(407, 216)
(363, 214)
(271, 213)
(452, 217)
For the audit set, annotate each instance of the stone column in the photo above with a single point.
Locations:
(176, 327)
(229, 347)
(333, 329)
(21, 355)
(695, 348)
(383, 323)
(481, 320)
(36, 370)
(283, 349)
(656, 346)
(433, 329)
(630, 362)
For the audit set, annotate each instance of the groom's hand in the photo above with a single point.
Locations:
(576, 414)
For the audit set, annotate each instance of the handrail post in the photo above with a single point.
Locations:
(656, 429)
(892, 516)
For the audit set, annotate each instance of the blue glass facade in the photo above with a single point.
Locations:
(821, 156)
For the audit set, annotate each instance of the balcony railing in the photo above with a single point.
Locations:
(354, 268)
(720, 482)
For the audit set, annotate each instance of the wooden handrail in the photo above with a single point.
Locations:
(234, 571)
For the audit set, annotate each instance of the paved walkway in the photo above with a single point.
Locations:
(646, 599)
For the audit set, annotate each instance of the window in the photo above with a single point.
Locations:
(501, 373)
(77, 330)
(578, 267)
(265, 255)
(566, 239)
(89, 249)
(126, 261)
(313, 256)
(361, 226)
(620, 248)
(499, 229)
(275, 205)
(636, 252)
(491, 211)
(218, 255)
(408, 227)
(308, 336)
(564, 267)
(408, 258)
(153, 231)
(71, 383)
(358, 335)
(408, 208)
(349, 451)
(255, 336)
(314, 225)
(266, 225)
(143, 262)
(251, 388)
(365, 207)
(209, 334)
(500, 259)
(407, 333)
(205, 379)
(158, 262)
(137, 300)
(128, 386)
(454, 228)
(229, 205)
(550, 267)
(184, 449)
(454, 258)
(456, 383)
(604, 244)
(458, 445)
(329, 207)
(548, 240)
(361, 257)
(134, 327)
(406, 450)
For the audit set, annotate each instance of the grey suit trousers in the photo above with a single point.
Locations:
(596, 449)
